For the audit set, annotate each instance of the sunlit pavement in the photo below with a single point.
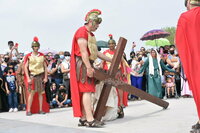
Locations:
(140, 117)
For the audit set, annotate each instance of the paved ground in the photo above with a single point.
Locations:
(140, 117)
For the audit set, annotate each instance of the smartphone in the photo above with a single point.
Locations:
(16, 44)
(59, 61)
(161, 50)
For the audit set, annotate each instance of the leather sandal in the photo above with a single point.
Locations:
(41, 112)
(94, 123)
(121, 112)
(82, 123)
(196, 126)
(28, 114)
(195, 131)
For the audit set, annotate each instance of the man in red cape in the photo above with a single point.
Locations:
(122, 96)
(84, 52)
(35, 77)
(188, 44)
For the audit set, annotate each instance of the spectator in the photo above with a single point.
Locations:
(154, 66)
(61, 99)
(133, 47)
(132, 55)
(142, 49)
(11, 89)
(12, 51)
(20, 82)
(61, 55)
(65, 68)
(5, 62)
(57, 76)
(49, 66)
(1, 82)
(136, 79)
(53, 89)
(170, 87)
(172, 59)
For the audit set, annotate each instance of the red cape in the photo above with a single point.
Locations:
(74, 86)
(75, 93)
(125, 94)
(188, 44)
(35, 103)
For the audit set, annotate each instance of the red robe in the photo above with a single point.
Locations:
(110, 54)
(35, 103)
(78, 87)
(188, 44)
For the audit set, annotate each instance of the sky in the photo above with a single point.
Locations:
(54, 22)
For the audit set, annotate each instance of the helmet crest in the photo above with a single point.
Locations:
(35, 39)
(35, 42)
(93, 15)
(111, 39)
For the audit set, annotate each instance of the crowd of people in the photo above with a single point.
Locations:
(36, 81)
(159, 72)
(12, 79)
(165, 84)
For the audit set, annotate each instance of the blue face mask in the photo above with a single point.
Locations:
(67, 57)
(62, 56)
(14, 58)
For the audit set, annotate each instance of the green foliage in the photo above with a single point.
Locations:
(172, 31)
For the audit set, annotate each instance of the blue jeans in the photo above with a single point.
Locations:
(54, 102)
(58, 81)
(12, 100)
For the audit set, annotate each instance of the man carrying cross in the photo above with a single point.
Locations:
(117, 98)
(84, 52)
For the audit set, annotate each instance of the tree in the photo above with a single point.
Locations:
(172, 31)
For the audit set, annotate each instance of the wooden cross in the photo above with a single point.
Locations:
(109, 81)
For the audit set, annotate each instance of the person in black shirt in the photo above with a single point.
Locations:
(57, 75)
(132, 55)
(11, 89)
(61, 99)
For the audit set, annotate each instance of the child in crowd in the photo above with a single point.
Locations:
(61, 99)
(53, 90)
(170, 86)
(11, 89)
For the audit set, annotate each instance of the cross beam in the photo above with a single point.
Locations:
(109, 80)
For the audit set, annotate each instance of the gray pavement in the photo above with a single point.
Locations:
(140, 117)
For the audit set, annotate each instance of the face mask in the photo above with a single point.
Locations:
(10, 72)
(6, 59)
(14, 58)
(139, 59)
(62, 56)
(67, 57)
(171, 52)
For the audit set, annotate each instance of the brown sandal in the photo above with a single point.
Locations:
(121, 112)
(94, 123)
(82, 123)
(195, 131)
(196, 126)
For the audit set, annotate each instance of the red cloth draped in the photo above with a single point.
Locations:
(35, 103)
(188, 44)
(106, 67)
(75, 92)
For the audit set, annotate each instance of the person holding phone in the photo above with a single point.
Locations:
(13, 51)
(56, 72)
